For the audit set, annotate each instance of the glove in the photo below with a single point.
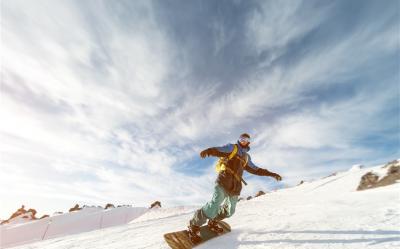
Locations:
(204, 153)
(276, 176)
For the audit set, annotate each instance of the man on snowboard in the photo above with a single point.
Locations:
(228, 185)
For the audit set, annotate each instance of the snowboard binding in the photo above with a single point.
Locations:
(194, 233)
(214, 227)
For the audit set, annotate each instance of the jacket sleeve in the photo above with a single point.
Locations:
(253, 169)
(221, 151)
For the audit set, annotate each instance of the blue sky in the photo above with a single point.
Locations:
(112, 101)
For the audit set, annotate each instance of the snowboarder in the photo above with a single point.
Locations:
(235, 159)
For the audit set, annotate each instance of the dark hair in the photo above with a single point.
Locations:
(245, 135)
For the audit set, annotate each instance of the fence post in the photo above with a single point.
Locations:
(47, 228)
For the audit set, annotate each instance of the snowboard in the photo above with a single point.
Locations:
(181, 240)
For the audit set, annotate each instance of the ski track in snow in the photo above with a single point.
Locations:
(327, 213)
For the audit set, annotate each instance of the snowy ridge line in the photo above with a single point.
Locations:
(165, 213)
(343, 184)
(70, 223)
(330, 181)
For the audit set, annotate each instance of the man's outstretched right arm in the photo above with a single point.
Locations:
(222, 151)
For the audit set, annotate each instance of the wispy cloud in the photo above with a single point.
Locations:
(112, 101)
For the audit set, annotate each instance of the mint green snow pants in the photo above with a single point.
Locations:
(213, 208)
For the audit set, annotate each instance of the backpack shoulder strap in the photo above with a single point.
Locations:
(246, 160)
(234, 152)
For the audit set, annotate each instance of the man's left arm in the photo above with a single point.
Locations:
(253, 169)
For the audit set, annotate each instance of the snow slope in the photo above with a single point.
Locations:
(327, 213)
(87, 219)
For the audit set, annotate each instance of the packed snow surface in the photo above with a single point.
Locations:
(326, 213)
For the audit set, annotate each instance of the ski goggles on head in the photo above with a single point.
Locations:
(244, 139)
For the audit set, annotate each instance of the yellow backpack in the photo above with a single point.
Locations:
(222, 162)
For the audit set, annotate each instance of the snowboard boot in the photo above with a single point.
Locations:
(214, 227)
(194, 233)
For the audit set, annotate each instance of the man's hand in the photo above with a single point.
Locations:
(204, 153)
(276, 176)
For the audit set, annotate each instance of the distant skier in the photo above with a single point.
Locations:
(234, 159)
